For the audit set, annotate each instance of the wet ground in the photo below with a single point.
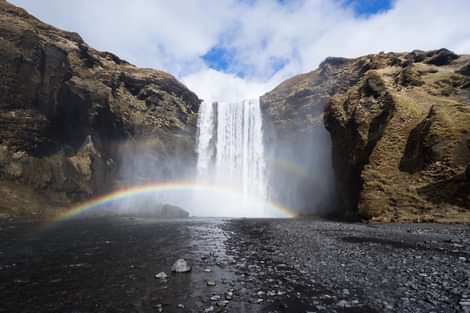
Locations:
(109, 265)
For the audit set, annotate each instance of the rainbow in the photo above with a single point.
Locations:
(151, 189)
(287, 166)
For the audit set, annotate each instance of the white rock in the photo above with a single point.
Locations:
(343, 304)
(215, 298)
(181, 266)
(223, 303)
(161, 275)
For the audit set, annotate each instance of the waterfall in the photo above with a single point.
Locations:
(205, 147)
(230, 148)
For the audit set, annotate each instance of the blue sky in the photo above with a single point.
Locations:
(220, 57)
(369, 7)
(232, 49)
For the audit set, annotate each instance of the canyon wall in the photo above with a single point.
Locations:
(76, 122)
(400, 132)
(383, 137)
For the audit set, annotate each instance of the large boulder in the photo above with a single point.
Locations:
(73, 119)
(172, 211)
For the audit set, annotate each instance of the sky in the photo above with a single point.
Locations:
(228, 50)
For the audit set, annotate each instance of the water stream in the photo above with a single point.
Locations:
(231, 153)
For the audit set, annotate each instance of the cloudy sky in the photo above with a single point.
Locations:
(232, 49)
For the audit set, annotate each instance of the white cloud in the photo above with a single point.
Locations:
(173, 35)
(215, 85)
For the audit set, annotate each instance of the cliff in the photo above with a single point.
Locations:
(73, 119)
(400, 131)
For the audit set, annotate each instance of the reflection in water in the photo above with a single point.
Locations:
(109, 264)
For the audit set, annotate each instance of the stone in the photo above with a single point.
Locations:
(173, 211)
(161, 276)
(181, 266)
(440, 57)
(215, 298)
(211, 283)
(223, 303)
(343, 304)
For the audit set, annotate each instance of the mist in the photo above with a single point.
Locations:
(300, 170)
(219, 171)
(234, 166)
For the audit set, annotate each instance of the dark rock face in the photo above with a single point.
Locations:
(440, 57)
(298, 145)
(69, 113)
(399, 125)
(293, 114)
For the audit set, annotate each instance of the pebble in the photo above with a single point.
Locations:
(343, 304)
(215, 298)
(223, 303)
(181, 266)
(161, 275)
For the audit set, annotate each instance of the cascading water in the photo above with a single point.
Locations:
(205, 147)
(231, 154)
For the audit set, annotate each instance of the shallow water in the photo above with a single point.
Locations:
(109, 264)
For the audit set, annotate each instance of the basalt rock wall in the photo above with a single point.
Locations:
(73, 119)
(400, 132)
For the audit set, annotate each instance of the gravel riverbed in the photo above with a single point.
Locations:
(115, 264)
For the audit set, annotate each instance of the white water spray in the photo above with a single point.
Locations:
(231, 155)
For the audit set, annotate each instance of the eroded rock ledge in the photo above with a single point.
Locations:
(400, 130)
(67, 112)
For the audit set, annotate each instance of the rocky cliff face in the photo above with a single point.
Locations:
(71, 116)
(297, 136)
(400, 131)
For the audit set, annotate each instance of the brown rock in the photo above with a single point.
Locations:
(399, 125)
(66, 109)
